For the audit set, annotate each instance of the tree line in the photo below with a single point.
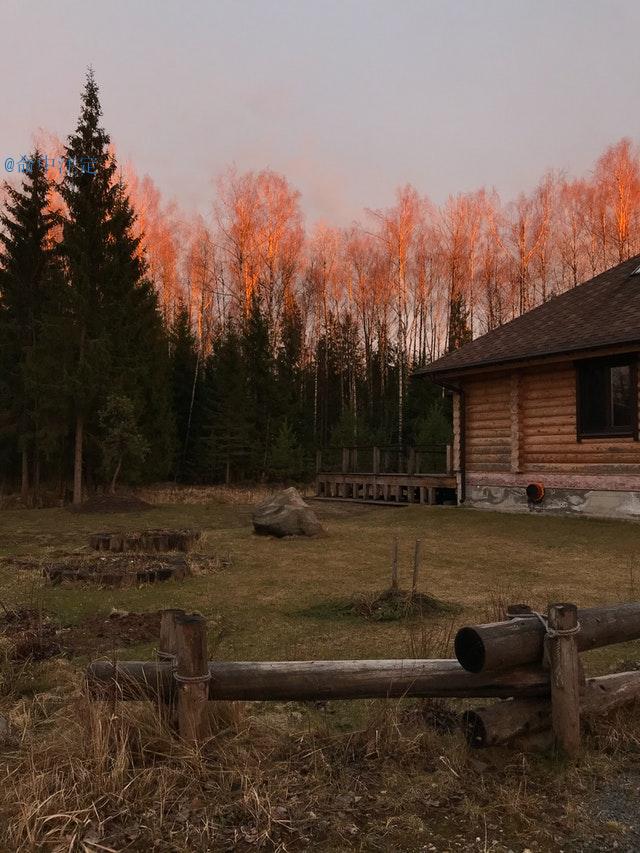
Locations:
(137, 343)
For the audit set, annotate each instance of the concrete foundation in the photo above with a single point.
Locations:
(557, 501)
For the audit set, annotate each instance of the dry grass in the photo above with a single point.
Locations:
(295, 776)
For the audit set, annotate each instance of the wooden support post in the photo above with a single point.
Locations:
(345, 460)
(416, 567)
(449, 460)
(376, 460)
(394, 564)
(423, 494)
(167, 646)
(411, 461)
(385, 491)
(432, 496)
(166, 653)
(193, 676)
(565, 676)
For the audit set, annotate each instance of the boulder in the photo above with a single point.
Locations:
(285, 514)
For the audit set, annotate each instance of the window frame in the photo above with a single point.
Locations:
(630, 360)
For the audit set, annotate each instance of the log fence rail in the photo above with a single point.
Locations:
(529, 660)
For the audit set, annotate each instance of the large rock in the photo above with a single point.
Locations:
(285, 514)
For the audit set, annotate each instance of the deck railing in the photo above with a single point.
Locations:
(386, 459)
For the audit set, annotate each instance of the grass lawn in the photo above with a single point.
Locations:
(295, 776)
(266, 597)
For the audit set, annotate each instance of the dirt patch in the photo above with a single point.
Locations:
(111, 503)
(30, 635)
(33, 635)
(100, 634)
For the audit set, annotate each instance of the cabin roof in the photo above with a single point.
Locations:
(604, 311)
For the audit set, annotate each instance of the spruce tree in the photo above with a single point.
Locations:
(116, 331)
(89, 192)
(459, 331)
(260, 385)
(29, 293)
(227, 436)
(186, 391)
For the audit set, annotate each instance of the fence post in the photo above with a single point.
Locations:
(394, 564)
(192, 675)
(376, 460)
(166, 653)
(449, 462)
(416, 567)
(565, 676)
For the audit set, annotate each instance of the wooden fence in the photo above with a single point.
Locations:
(530, 660)
(386, 459)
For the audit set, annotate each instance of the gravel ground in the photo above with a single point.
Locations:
(616, 810)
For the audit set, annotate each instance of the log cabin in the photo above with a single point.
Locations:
(546, 406)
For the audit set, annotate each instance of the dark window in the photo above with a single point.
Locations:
(607, 397)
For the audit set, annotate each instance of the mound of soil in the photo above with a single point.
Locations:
(388, 606)
(33, 635)
(97, 634)
(110, 503)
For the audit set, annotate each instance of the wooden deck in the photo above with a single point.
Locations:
(383, 488)
(398, 476)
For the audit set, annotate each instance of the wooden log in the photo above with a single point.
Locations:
(504, 721)
(321, 680)
(167, 647)
(192, 675)
(519, 641)
(416, 567)
(565, 677)
(394, 563)
(166, 653)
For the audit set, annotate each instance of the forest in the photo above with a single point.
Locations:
(141, 343)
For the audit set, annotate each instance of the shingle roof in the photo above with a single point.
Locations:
(603, 311)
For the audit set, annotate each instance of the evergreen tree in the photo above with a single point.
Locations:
(286, 460)
(260, 386)
(29, 294)
(459, 331)
(226, 439)
(89, 192)
(116, 332)
(122, 443)
(186, 391)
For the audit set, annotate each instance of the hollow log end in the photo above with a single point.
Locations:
(469, 649)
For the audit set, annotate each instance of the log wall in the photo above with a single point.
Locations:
(487, 418)
(524, 421)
